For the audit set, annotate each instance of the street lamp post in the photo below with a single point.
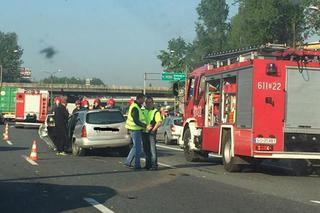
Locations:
(145, 78)
(51, 84)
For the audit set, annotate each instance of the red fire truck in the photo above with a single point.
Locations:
(254, 104)
(31, 106)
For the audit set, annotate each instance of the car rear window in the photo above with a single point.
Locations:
(105, 117)
(177, 122)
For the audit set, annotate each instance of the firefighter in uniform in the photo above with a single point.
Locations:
(97, 104)
(84, 105)
(154, 119)
(61, 116)
(78, 106)
(135, 124)
(111, 103)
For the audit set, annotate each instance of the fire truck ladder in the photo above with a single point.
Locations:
(242, 54)
(279, 51)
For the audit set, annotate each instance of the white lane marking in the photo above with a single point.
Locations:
(163, 164)
(97, 205)
(315, 201)
(166, 165)
(9, 142)
(168, 147)
(30, 161)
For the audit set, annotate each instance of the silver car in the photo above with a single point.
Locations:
(89, 130)
(98, 129)
(170, 130)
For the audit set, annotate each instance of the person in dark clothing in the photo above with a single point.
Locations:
(61, 119)
(78, 106)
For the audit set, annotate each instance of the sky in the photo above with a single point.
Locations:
(114, 40)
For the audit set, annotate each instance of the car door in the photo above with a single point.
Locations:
(161, 130)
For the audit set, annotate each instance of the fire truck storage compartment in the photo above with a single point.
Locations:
(302, 108)
(235, 96)
(244, 102)
(213, 98)
(229, 99)
(302, 121)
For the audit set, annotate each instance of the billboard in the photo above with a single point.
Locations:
(25, 73)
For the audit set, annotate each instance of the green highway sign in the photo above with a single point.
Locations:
(171, 76)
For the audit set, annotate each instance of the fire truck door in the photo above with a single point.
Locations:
(189, 98)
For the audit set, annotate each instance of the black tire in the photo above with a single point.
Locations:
(77, 150)
(227, 159)
(124, 151)
(190, 155)
(167, 141)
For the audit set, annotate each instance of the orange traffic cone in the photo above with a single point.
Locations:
(6, 133)
(33, 154)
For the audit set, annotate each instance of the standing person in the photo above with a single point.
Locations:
(61, 118)
(135, 124)
(153, 118)
(97, 104)
(78, 106)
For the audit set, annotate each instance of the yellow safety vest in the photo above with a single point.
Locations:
(130, 124)
(150, 116)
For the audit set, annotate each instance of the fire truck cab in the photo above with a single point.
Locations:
(254, 104)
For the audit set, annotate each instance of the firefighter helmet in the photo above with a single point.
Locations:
(111, 102)
(85, 103)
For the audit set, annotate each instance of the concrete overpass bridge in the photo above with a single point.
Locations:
(74, 91)
(77, 89)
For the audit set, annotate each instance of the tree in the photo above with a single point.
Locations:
(72, 80)
(176, 57)
(10, 56)
(97, 81)
(275, 21)
(211, 29)
(312, 17)
(212, 26)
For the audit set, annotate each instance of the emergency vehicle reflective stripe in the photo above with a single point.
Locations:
(130, 123)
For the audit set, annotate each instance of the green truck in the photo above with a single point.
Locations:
(7, 103)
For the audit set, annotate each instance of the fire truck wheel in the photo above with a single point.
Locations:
(301, 168)
(190, 155)
(77, 150)
(228, 160)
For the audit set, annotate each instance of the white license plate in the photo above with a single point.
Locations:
(266, 140)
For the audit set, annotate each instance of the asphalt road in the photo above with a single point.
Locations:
(100, 181)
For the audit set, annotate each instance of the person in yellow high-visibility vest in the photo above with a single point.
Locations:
(135, 124)
(154, 119)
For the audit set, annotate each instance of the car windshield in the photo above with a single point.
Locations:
(105, 117)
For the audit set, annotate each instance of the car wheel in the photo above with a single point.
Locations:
(227, 159)
(190, 155)
(167, 141)
(124, 151)
(77, 150)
